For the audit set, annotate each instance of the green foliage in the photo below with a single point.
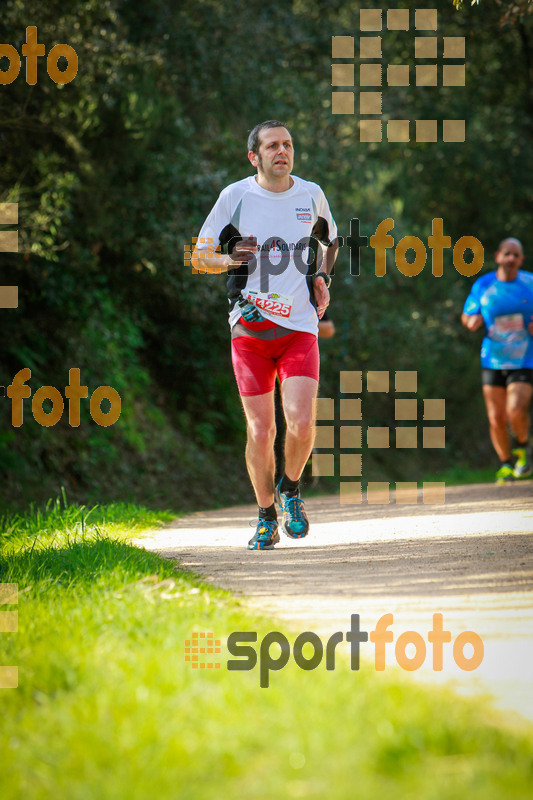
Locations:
(115, 172)
(459, 3)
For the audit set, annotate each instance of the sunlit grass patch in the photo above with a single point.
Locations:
(108, 709)
(59, 521)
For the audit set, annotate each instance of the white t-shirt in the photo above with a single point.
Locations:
(282, 222)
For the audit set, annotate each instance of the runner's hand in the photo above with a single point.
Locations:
(321, 296)
(474, 321)
(245, 251)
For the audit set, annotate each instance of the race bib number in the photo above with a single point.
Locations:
(280, 305)
(508, 323)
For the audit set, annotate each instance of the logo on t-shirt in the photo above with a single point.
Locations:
(303, 214)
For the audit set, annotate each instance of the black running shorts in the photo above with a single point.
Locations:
(503, 377)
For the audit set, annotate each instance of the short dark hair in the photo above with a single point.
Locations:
(253, 138)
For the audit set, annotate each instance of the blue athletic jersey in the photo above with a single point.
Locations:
(507, 310)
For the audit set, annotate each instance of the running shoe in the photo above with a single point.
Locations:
(294, 524)
(523, 466)
(505, 474)
(266, 535)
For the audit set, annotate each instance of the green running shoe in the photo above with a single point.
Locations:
(266, 535)
(523, 466)
(505, 474)
(294, 524)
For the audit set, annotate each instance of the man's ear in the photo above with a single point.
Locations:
(252, 157)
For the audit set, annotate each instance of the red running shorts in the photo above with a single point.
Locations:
(257, 361)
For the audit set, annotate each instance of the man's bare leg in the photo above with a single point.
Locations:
(495, 403)
(261, 428)
(518, 402)
(298, 395)
(517, 406)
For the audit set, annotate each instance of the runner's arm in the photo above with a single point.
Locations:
(320, 289)
(472, 321)
(214, 262)
(332, 252)
(211, 262)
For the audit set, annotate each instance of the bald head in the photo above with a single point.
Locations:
(510, 241)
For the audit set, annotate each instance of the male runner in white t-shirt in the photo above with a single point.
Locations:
(265, 222)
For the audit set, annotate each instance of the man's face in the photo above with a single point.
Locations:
(276, 155)
(510, 257)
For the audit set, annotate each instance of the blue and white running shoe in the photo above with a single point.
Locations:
(266, 535)
(294, 524)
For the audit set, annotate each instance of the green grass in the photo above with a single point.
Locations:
(459, 475)
(59, 521)
(107, 708)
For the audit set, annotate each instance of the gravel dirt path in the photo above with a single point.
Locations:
(470, 559)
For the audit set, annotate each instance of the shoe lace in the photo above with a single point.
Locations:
(295, 507)
(262, 535)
